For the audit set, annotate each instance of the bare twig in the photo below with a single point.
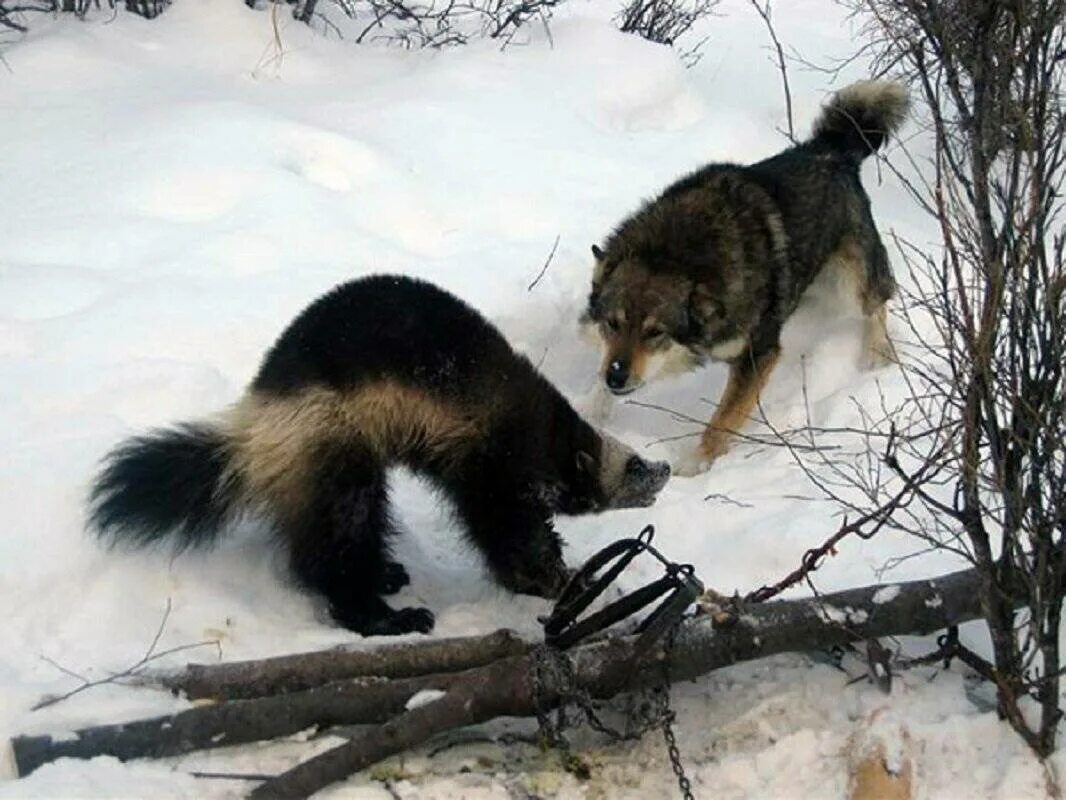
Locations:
(547, 261)
(149, 656)
(765, 11)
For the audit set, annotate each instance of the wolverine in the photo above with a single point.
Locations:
(381, 371)
(713, 267)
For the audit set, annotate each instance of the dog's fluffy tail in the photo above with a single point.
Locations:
(861, 116)
(172, 483)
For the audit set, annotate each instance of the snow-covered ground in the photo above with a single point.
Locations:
(173, 192)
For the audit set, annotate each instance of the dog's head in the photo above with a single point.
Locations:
(655, 323)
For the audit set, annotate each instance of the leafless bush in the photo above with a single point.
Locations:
(431, 23)
(13, 13)
(149, 9)
(664, 21)
(978, 441)
(410, 23)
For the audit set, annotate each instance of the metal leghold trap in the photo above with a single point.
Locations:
(563, 628)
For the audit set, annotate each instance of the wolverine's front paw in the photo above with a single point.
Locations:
(393, 578)
(548, 582)
(374, 618)
(413, 620)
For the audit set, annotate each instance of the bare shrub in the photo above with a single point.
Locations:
(13, 13)
(431, 23)
(978, 440)
(665, 21)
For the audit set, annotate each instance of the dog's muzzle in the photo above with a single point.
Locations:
(617, 376)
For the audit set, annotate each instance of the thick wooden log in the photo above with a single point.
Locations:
(502, 687)
(355, 701)
(241, 680)
(606, 668)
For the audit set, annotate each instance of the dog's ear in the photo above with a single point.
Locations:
(602, 268)
(702, 308)
(600, 272)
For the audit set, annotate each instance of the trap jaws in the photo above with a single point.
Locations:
(681, 587)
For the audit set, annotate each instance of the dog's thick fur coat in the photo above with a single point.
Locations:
(714, 266)
(380, 371)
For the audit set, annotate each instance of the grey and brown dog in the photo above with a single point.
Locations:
(714, 266)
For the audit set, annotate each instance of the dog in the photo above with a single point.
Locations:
(713, 267)
(380, 371)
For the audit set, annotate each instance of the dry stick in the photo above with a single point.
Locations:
(764, 12)
(607, 668)
(360, 700)
(130, 671)
(547, 261)
(482, 694)
(241, 680)
(775, 439)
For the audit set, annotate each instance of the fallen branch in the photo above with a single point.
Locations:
(356, 701)
(609, 667)
(240, 680)
(502, 687)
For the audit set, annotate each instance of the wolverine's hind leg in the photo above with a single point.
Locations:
(337, 544)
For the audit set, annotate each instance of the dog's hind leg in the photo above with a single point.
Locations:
(862, 264)
(876, 287)
(747, 377)
(877, 347)
(863, 255)
(337, 544)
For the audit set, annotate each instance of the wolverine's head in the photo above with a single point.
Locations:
(654, 323)
(612, 477)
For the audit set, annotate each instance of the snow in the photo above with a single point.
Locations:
(175, 191)
(423, 698)
(885, 594)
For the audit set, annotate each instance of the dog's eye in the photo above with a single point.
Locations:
(653, 333)
(614, 324)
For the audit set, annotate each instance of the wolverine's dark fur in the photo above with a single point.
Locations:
(717, 263)
(382, 370)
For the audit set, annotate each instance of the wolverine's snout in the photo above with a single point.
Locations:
(652, 473)
(641, 482)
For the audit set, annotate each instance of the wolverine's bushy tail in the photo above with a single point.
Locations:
(171, 483)
(861, 116)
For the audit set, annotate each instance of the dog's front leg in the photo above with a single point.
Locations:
(747, 377)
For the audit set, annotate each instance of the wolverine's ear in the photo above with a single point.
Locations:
(585, 463)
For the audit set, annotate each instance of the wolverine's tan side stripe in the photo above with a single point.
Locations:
(274, 438)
